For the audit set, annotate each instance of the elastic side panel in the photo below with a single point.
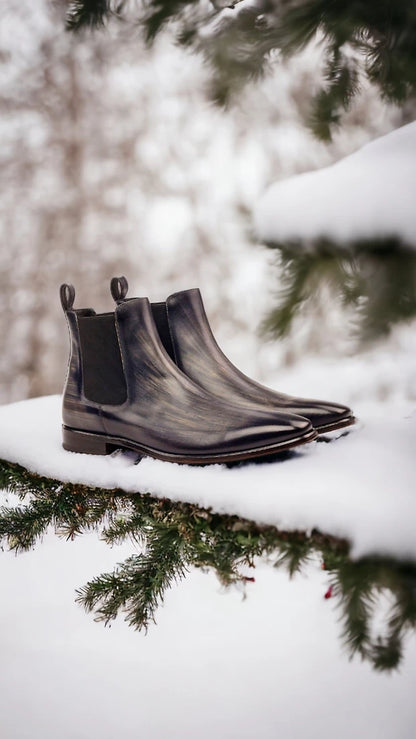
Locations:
(102, 368)
(160, 316)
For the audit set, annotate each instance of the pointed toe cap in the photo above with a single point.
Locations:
(329, 416)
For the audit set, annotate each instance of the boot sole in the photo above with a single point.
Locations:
(336, 425)
(84, 442)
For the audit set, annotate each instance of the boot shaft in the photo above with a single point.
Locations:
(115, 358)
(95, 373)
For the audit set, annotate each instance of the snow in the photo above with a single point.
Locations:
(209, 165)
(367, 195)
(215, 665)
(360, 486)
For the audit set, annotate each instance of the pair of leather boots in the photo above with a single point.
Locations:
(150, 377)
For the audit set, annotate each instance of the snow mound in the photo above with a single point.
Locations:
(360, 486)
(369, 194)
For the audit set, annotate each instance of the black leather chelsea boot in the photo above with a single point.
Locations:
(124, 391)
(187, 337)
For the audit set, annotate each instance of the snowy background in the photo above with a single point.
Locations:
(113, 161)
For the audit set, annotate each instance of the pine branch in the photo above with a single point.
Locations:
(129, 526)
(88, 14)
(239, 46)
(178, 536)
(138, 585)
(70, 509)
(341, 77)
(160, 13)
(356, 584)
(355, 590)
(22, 527)
(295, 276)
(377, 278)
(294, 554)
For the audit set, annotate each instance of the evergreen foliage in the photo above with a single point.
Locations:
(174, 537)
(361, 38)
(375, 278)
(89, 13)
(357, 585)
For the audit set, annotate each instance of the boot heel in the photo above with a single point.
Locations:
(85, 443)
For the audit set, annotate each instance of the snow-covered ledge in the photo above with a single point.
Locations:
(360, 486)
(369, 195)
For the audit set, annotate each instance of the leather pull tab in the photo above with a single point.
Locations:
(119, 287)
(67, 294)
